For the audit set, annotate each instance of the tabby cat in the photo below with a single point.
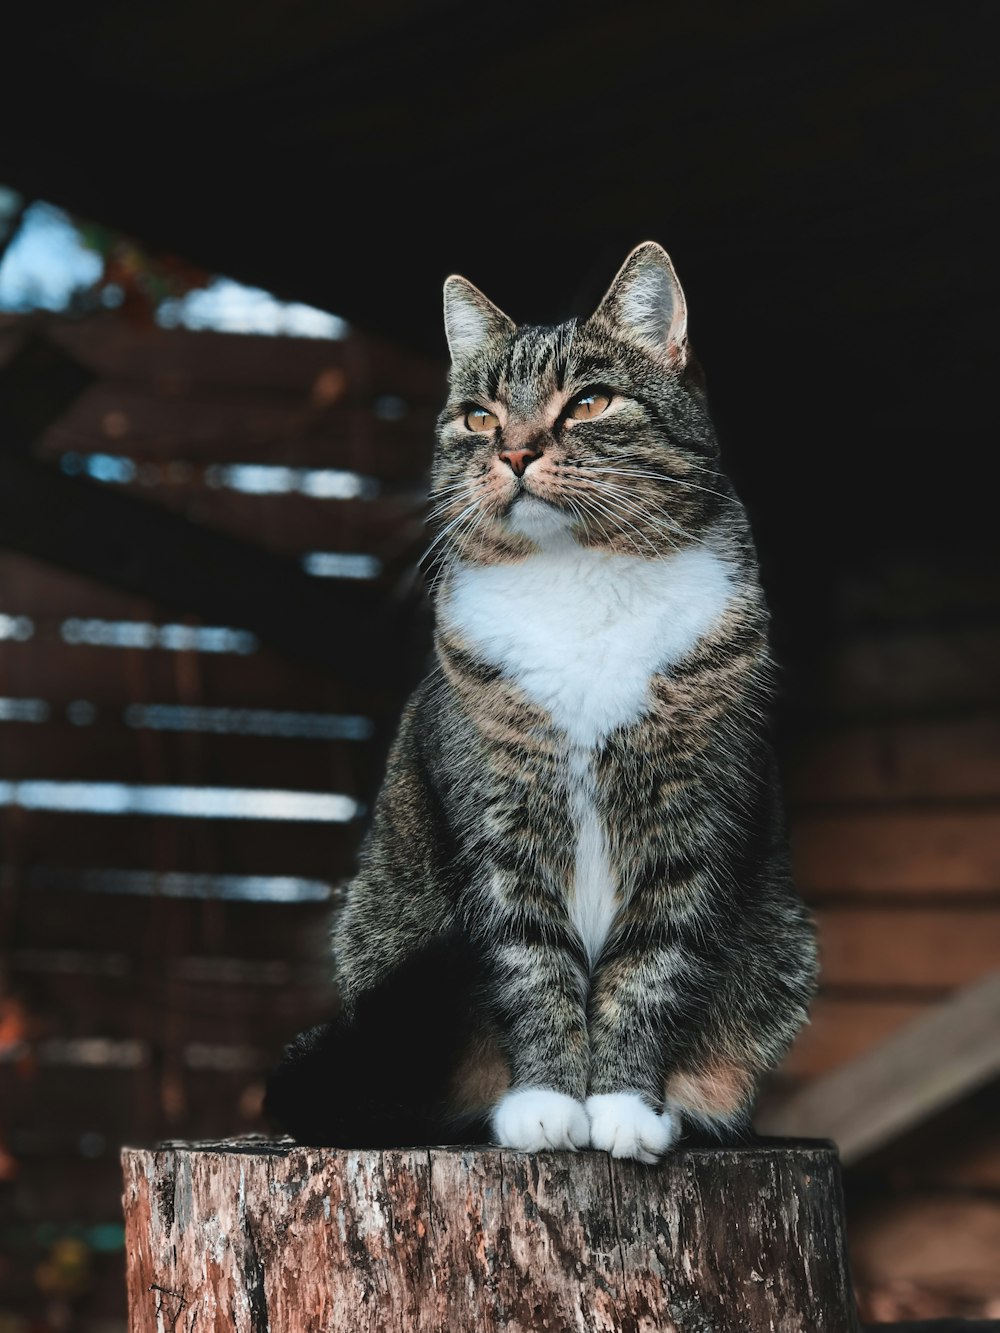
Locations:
(573, 923)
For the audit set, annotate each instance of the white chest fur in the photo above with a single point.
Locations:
(582, 633)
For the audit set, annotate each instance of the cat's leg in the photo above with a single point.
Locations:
(633, 994)
(540, 996)
(743, 1022)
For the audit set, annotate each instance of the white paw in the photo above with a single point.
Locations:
(622, 1124)
(533, 1119)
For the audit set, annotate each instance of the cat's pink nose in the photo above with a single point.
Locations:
(518, 459)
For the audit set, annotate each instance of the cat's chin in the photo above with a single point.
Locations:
(538, 520)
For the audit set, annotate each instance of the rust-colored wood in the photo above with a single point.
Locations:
(919, 851)
(842, 1027)
(939, 760)
(260, 1236)
(925, 948)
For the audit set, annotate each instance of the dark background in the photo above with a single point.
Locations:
(825, 178)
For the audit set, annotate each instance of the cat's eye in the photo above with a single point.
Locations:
(479, 419)
(589, 405)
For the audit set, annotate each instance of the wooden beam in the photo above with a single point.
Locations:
(943, 1055)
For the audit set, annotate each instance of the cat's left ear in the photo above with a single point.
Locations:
(471, 320)
(647, 303)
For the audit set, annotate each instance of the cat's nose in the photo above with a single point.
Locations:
(519, 459)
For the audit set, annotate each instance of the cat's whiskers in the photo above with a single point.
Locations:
(614, 497)
(662, 522)
(672, 481)
(586, 511)
(617, 519)
(469, 508)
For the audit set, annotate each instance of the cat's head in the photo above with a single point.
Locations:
(593, 432)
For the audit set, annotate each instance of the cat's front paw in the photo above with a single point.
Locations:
(622, 1124)
(534, 1119)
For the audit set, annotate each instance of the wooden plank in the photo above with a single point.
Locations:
(47, 667)
(62, 752)
(198, 426)
(957, 1150)
(389, 530)
(910, 851)
(889, 674)
(152, 934)
(178, 357)
(929, 1064)
(949, 759)
(200, 846)
(933, 1243)
(920, 948)
(150, 1003)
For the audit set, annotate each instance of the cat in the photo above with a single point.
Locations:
(574, 922)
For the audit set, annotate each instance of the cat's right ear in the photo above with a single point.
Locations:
(647, 303)
(470, 319)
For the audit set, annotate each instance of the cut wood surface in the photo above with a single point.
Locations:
(260, 1236)
(952, 1050)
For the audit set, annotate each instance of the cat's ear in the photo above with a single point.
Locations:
(470, 319)
(647, 303)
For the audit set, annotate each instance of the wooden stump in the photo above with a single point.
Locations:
(262, 1236)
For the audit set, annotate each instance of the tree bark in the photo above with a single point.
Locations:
(262, 1236)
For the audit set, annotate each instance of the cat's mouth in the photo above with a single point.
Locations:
(535, 517)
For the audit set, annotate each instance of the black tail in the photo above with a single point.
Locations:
(381, 1079)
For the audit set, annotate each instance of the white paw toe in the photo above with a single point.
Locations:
(535, 1119)
(622, 1124)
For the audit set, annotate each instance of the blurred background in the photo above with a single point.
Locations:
(223, 232)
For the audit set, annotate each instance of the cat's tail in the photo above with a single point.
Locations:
(384, 1078)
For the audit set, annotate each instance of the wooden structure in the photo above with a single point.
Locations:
(262, 1237)
(928, 1065)
(152, 966)
(159, 963)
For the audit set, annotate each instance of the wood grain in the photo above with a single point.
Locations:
(260, 1236)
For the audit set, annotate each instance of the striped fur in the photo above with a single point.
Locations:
(583, 789)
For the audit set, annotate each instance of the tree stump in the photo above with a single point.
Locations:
(263, 1236)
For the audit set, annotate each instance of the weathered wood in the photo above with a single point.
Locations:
(950, 1051)
(261, 1235)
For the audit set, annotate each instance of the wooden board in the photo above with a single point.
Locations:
(910, 948)
(953, 758)
(900, 852)
(178, 358)
(904, 672)
(842, 1027)
(930, 1242)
